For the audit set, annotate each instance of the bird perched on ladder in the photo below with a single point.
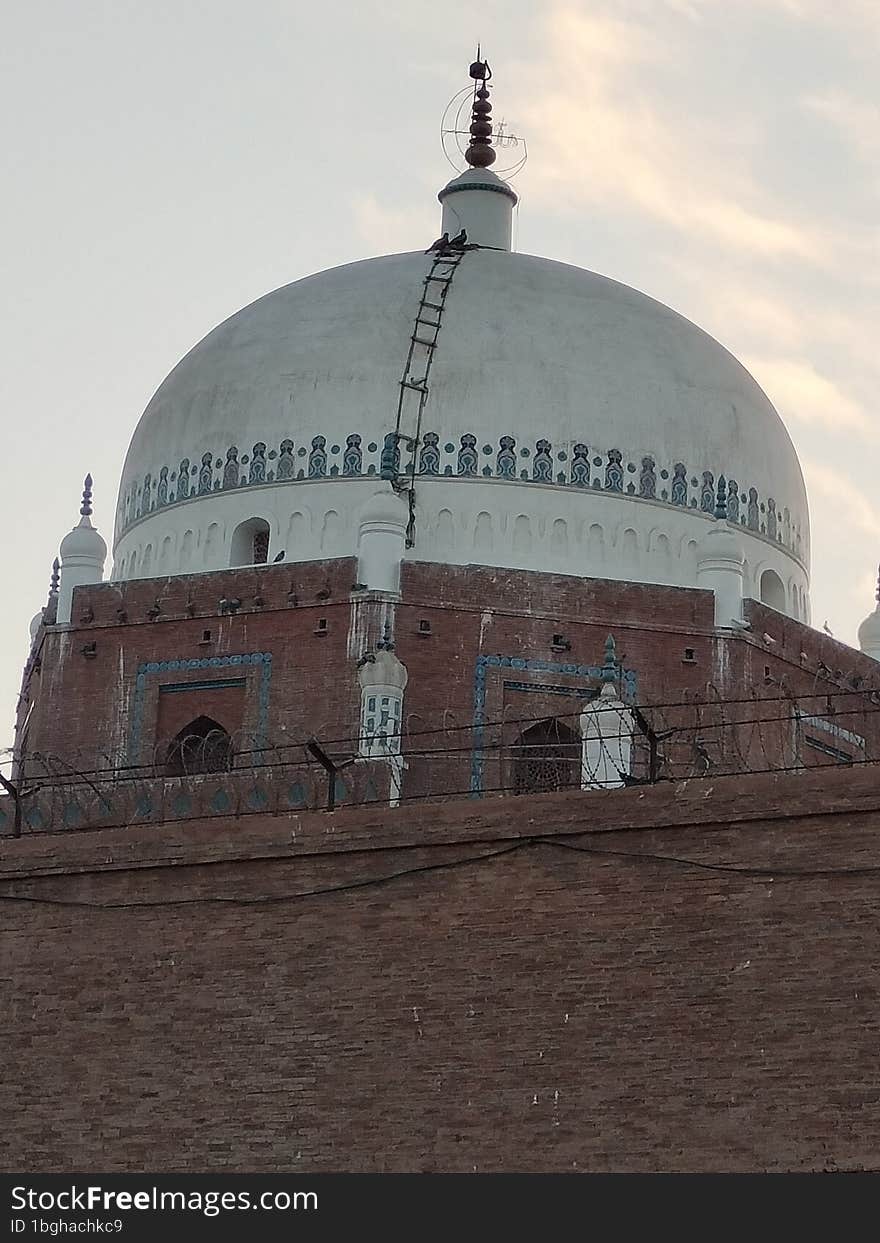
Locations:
(441, 244)
(460, 239)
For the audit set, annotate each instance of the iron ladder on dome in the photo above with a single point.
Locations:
(414, 385)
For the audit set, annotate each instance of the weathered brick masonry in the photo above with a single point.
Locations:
(314, 628)
(485, 1005)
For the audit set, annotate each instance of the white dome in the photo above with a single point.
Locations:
(571, 424)
(869, 631)
(722, 542)
(869, 634)
(386, 508)
(83, 541)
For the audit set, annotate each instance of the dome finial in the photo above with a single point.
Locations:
(86, 508)
(480, 153)
(877, 591)
(53, 581)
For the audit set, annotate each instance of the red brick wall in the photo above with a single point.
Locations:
(178, 709)
(82, 707)
(541, 1010)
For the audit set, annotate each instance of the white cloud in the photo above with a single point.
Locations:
(851, 507)
(610, 138)
(801, 393)
(856, 120)
(389, 230)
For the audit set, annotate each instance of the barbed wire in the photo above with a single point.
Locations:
(217, 775)
(352, 741)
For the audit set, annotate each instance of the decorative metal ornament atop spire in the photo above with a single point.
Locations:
(721, 498)
(480, 153)
(470, 138)
(86, 508)
(877, 592)
(610, 668)
(55, 579)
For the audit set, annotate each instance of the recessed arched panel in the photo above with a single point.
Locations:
(546, 756)
(629, 544)
(186, 550)
(331, 533)
(297, 530)
(202, 746)
(596, 537)
(445, 529)
(522, 534)
(559, 537)
(661, 546)
(250, 543)
(210, 551)
(773, 590)
(483, 538)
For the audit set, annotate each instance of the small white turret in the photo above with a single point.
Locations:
(481, 204)
(83, 553)
(869, 631)
(382, 541)
(607, 731)
(383, 680)
(720, 561)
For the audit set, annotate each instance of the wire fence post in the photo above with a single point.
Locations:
(13, 793)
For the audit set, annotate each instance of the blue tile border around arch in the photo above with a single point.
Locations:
(628, 679)
(263, 660)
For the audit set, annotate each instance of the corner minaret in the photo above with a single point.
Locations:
(869, 631)
(83, 553)
(721, 562)
(478, 201)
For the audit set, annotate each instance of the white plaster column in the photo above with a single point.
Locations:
(382, 541)
(482, 204)
(720, 561)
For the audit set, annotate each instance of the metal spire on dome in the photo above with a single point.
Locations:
(610, 667)
(480, 153)
(86, 508)
(53, 581)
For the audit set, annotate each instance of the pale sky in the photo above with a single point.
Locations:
(168, 162)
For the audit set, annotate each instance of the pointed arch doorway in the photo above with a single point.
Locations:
(546, 757)
(202, 746)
